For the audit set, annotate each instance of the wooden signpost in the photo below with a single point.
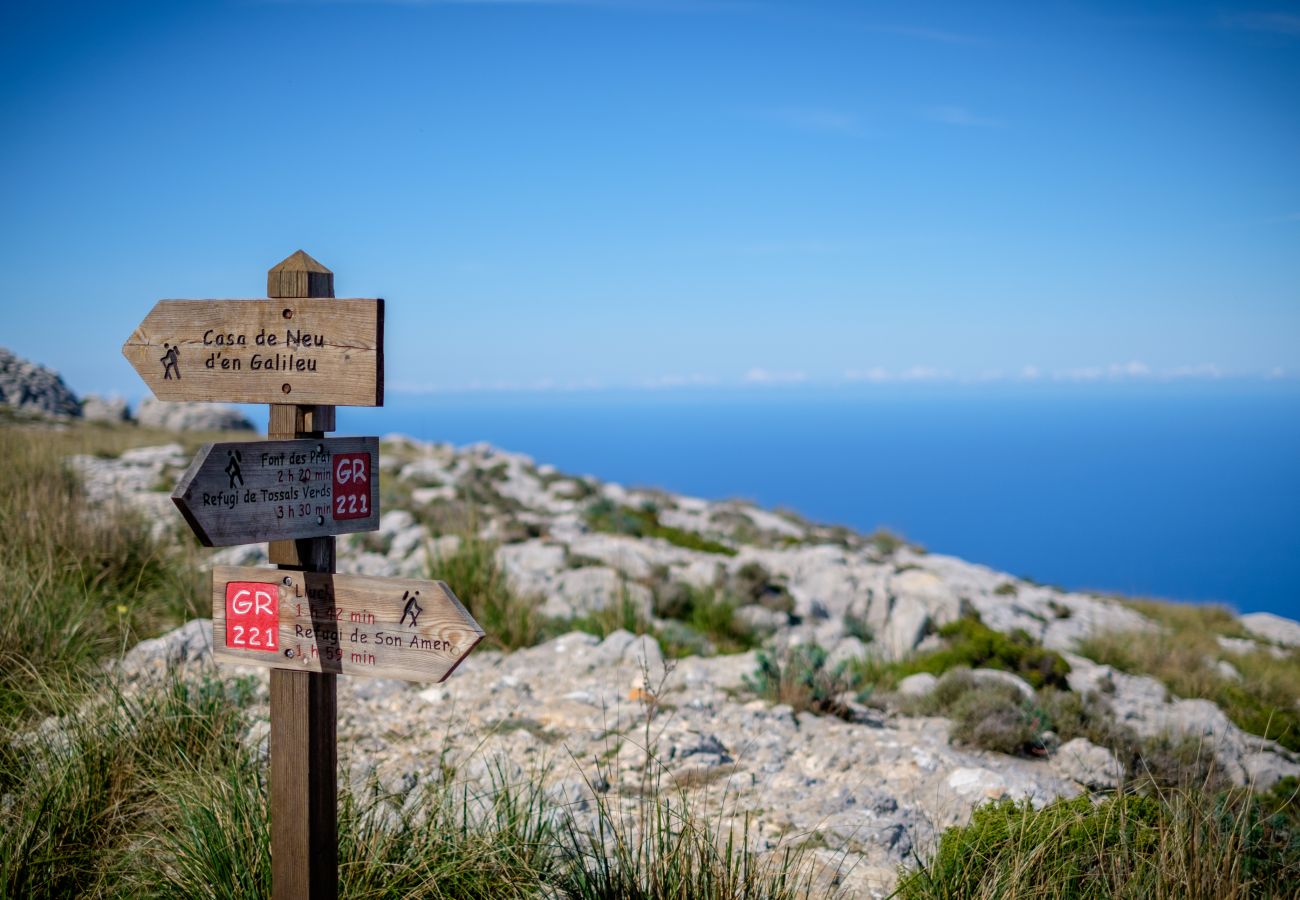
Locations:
(302, 352)
(346, 624)
(262, 351)
(241, 493)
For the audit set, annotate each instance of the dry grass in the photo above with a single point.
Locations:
(1183, 655)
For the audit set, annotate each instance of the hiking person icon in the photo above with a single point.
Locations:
(412, 609)
(232, 467)
(170, 362)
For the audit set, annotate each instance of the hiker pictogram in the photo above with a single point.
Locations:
(412, 608)
(233, 469)
(170, 361)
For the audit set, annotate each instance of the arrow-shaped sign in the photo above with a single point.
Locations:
(248, 492)
(262, 351)
(346, 624)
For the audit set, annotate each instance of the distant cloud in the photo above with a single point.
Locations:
(675, 381)
(764, 376)
(1202, 370)
(811, 118)
(927, 34)
(1271, 22)
(959, 116)
(875, 374)
(538, 385)
(879, 375)
(1132, 369)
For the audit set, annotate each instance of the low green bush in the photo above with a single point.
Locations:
(605, 515)
(1182, 843)
(971, 643)
(988, 715)
(798, 675)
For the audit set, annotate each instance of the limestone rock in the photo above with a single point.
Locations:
(33, 388)
(918, 685)
(1096, 768)
(1272, 628)
(111, 410)
(170, 416)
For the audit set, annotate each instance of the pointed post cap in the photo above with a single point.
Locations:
(298, 275)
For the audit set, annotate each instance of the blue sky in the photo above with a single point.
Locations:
(644, 194)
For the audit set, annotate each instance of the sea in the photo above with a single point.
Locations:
(1185, 490)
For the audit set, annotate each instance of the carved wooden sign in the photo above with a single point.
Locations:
(246, 492)
(345, 624)
(301, 351)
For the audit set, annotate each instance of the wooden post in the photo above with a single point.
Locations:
(304, 708)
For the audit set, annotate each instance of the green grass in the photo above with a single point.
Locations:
(76, 585)
(509, 620)
(604, 515)
(969, 643)
(1182, 656)
(82, 792)
(1185, 843)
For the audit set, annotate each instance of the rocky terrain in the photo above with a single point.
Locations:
(597, 717)
(33, 389)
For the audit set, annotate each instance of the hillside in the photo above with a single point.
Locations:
(849, 696)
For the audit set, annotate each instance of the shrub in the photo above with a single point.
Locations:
(991, 716)
(973, 644)
(1184, 843)
(799, 676)
(752, 583)
(605, 515)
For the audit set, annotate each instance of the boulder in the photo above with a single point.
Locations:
(1096, 768)
(190, 416)
(1272, 628)
(918, 685)
(32, 388)
(111, 410)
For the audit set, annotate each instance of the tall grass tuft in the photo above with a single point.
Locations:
(1177, 843)
(510, 620)
(81, 789)
(76, 584)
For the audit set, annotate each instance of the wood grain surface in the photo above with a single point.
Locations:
(345, 624)
(288, 350)
(248, 492)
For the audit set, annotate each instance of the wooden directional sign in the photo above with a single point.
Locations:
(247, 492)
(345, 624)
(317, 351)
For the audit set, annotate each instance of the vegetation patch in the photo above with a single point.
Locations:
(989, 715)
(969, 643)
(605, 515)
(510, 621)
(799, 676)
(76, 584)
(1184, 655)
(1175, 843)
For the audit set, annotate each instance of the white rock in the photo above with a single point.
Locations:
(1272, 628)
(917, 685)
(1096, 768)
